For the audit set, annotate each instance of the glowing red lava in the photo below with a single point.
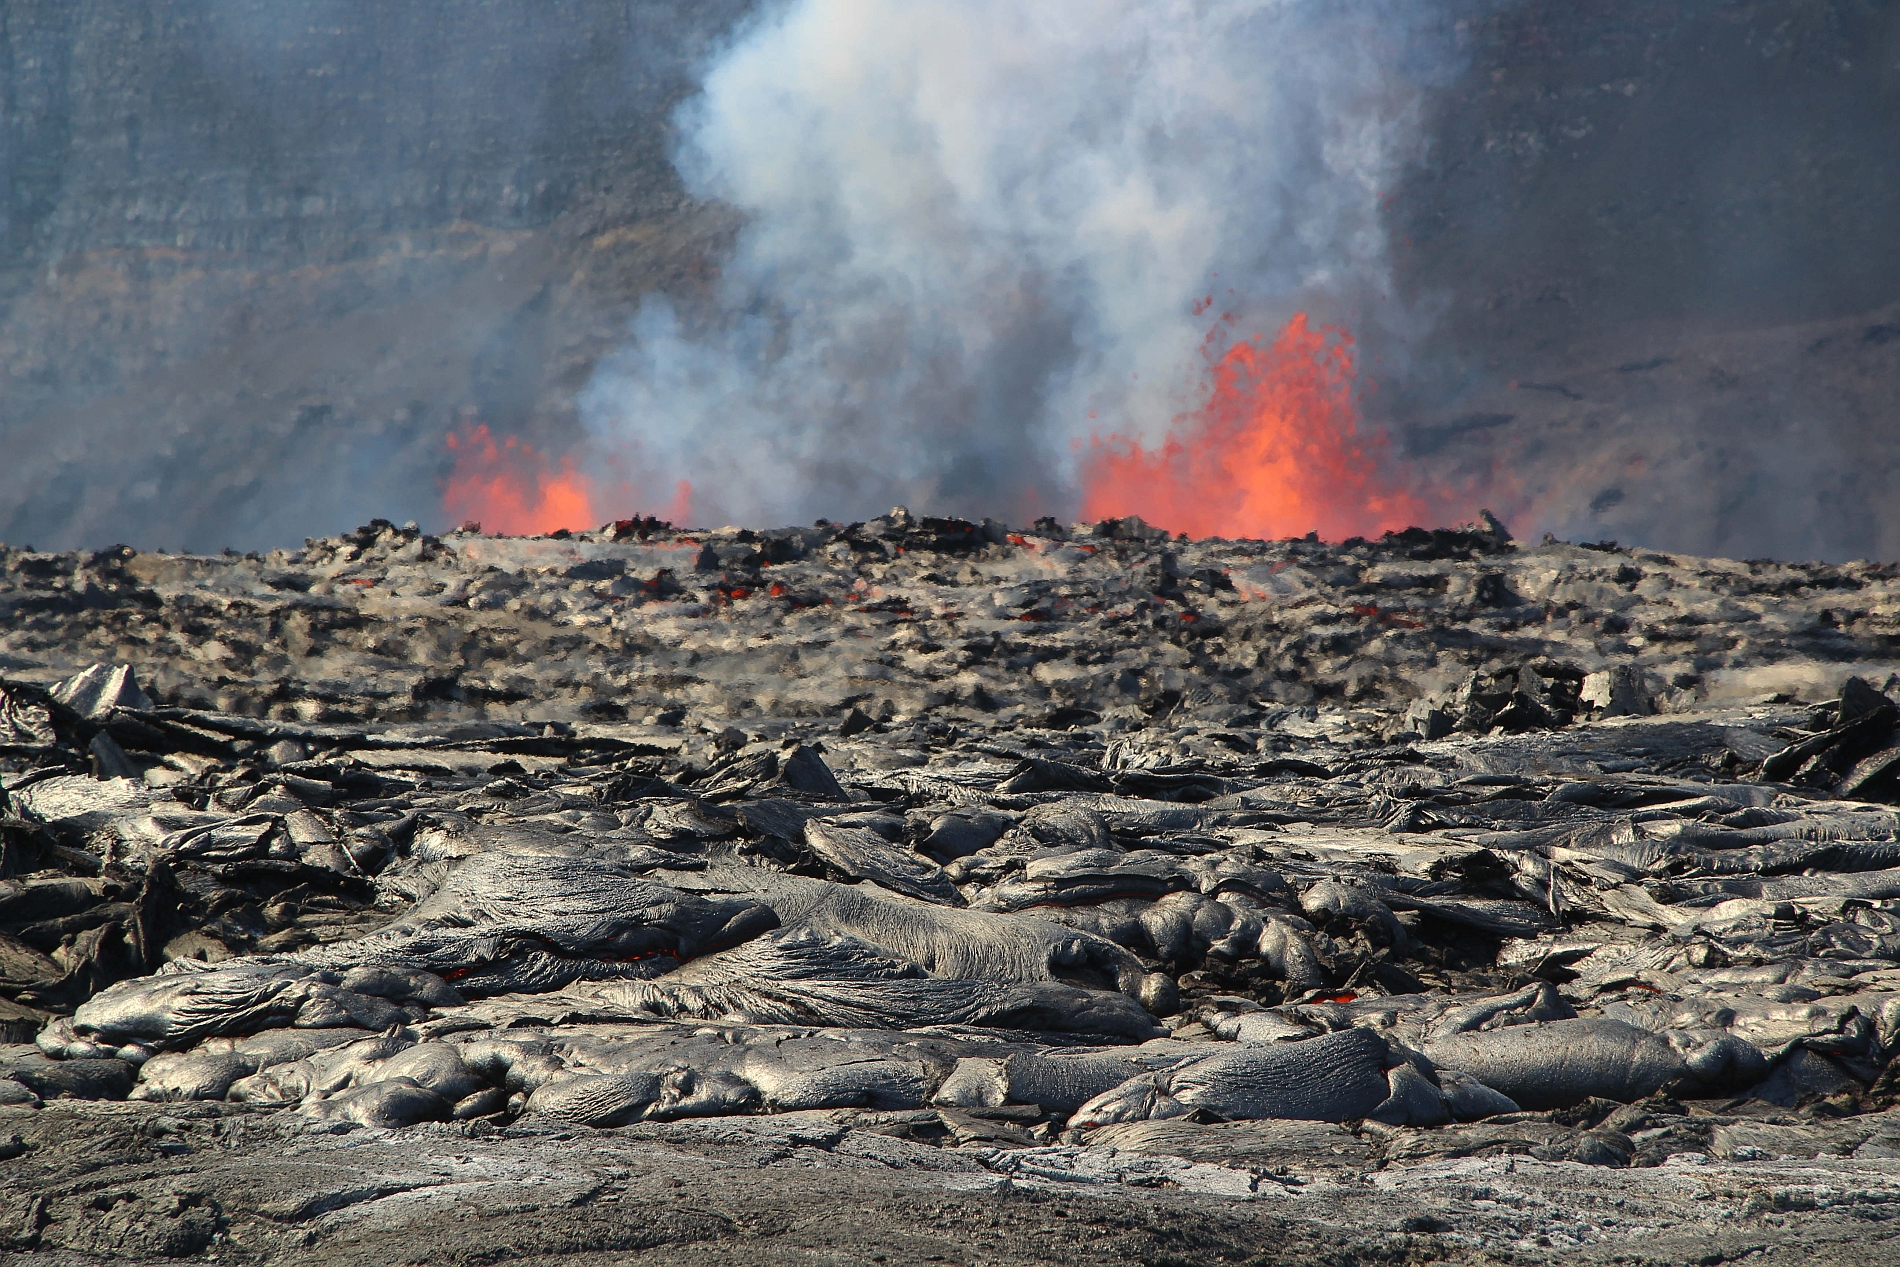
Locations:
(1275, 452)
(512, 488)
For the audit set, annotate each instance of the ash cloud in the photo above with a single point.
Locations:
(977, 231)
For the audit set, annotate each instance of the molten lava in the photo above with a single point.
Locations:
(511, 488)
(1275, 452)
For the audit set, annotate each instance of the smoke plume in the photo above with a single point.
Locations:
(979, 232)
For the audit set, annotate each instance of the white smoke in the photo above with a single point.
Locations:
(977, 230)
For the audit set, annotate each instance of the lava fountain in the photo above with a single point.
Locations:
(1274, 452)
(510, 487)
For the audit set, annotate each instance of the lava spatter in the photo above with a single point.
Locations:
(1276, 451)
(510, 487)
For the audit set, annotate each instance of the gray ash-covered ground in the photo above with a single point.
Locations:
(922, 890)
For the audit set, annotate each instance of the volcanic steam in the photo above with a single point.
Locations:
(974, 237)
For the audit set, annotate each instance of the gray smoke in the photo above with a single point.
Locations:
(977, 231)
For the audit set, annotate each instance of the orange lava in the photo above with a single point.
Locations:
(1275, 452)
(680, 509)
(513, 489)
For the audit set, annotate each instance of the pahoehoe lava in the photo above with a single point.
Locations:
(1519, 901)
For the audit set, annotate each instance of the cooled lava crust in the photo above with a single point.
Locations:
(926, 890)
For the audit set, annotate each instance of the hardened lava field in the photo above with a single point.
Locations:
(925, 890)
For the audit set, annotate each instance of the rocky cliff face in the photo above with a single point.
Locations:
(242, 127)
(256, 257)
(1662, 239)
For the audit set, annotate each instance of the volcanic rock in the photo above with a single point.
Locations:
(969, 839)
